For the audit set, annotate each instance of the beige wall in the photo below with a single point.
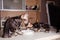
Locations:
(39, 15)
(32, 14)
(31, 2)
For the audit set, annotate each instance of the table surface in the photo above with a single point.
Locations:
(35, 36)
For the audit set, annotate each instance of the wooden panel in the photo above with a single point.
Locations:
(32, 14)
(31, 2)
(10, 13)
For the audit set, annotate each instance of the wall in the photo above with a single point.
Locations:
(32, 14)
(57, 2)
(31, 2)
(43, 13)
(0, 19)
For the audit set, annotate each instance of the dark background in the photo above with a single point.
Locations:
(54, 13)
